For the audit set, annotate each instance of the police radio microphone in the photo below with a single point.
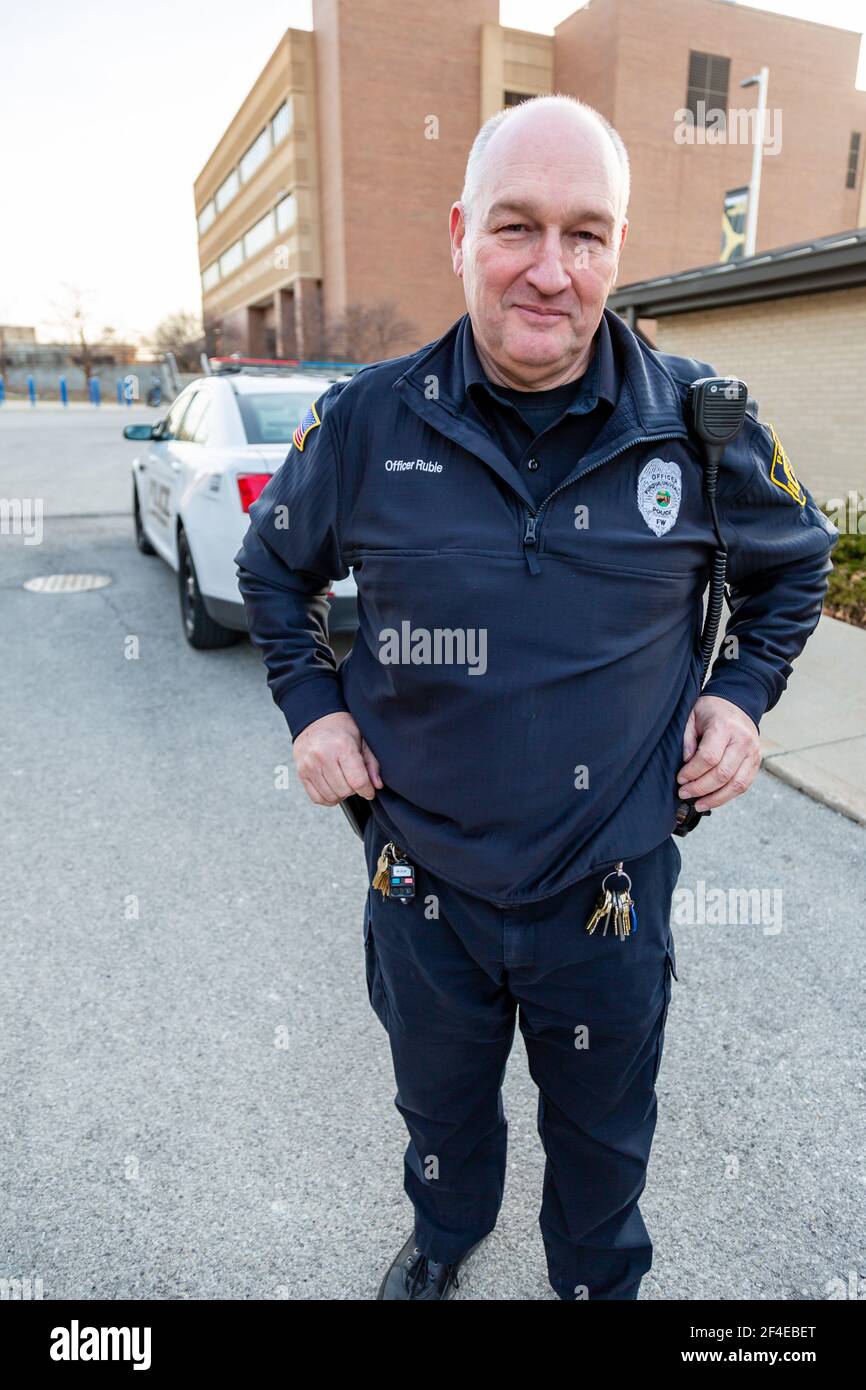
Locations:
(715, 411)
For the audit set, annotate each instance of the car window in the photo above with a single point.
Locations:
(202, 429)
(175, 415)
(194, 416)
(271, 417)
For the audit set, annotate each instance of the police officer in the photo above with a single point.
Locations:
(521, 504)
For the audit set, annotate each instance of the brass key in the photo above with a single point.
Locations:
(613, 903)
(391, 854)
(623, 914)
(603, 907)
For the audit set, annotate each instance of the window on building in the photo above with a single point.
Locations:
(255, 155)
(260, 234)
(515, 98)
(287, 213)
(231, 259)
(206, 217)
(853, 160)
(708, 86)
(210, 275)
(282, 121)
(227, 190)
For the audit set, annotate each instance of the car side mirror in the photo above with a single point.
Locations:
(139, 431)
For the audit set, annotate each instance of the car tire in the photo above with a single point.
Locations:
(199, 628)
(141, 540)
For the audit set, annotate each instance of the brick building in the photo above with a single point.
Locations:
(792, 324)
(327, 198)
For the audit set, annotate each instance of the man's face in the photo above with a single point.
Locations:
(541, 250)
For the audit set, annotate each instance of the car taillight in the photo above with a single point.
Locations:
(250, 485)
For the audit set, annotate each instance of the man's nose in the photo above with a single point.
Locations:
(548, 273)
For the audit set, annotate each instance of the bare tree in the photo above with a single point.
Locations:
(386, 331)
(182, 334)
(367, 333)
(362, 333)
(317, 342)
(229, 337)
(75, 315)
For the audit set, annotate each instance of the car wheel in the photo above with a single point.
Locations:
(141, 540)
(199, 627)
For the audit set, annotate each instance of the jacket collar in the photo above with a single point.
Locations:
(649, 402)
(601, 380)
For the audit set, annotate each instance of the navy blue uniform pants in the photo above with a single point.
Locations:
(448, 974)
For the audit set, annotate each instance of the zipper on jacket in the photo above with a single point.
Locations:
(529, 539)
(533, 519)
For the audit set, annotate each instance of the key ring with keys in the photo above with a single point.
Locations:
(616, 904)
(617, 872)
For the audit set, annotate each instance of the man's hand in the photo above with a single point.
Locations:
(722, 752)
(333, 761)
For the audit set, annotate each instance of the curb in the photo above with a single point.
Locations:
(815, 787)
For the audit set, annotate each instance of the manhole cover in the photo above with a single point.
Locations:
(66, 583)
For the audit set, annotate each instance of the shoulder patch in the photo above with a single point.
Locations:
(309, 422)
(781, 472)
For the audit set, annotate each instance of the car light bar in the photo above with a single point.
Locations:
(220, 366)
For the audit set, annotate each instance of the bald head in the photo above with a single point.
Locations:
(536, 238)
(531, 124)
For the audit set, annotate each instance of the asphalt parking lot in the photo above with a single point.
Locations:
(195, 1096)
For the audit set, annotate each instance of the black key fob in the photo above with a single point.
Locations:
(687, 818)
(402, 882)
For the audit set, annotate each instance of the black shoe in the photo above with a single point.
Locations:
(412, 1275)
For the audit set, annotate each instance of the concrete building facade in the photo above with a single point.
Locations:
(323, 209)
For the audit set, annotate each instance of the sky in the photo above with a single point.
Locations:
(108, 114)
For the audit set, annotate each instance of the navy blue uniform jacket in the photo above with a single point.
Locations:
(551, 748)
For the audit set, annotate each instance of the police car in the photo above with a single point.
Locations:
(201, 468)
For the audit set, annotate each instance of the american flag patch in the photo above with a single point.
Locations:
(309, 422)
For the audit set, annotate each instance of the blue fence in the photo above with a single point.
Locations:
(131, 388)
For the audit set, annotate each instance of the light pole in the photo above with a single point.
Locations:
(761, 79)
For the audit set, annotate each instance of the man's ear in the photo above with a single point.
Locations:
(457, 231)
(622, 238)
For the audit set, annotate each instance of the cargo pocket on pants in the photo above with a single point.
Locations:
(670, 970)
(375, 988)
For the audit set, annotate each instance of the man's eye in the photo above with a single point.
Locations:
(592, 235)
(514, 227)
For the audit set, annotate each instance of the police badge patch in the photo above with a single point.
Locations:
(659, 490)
